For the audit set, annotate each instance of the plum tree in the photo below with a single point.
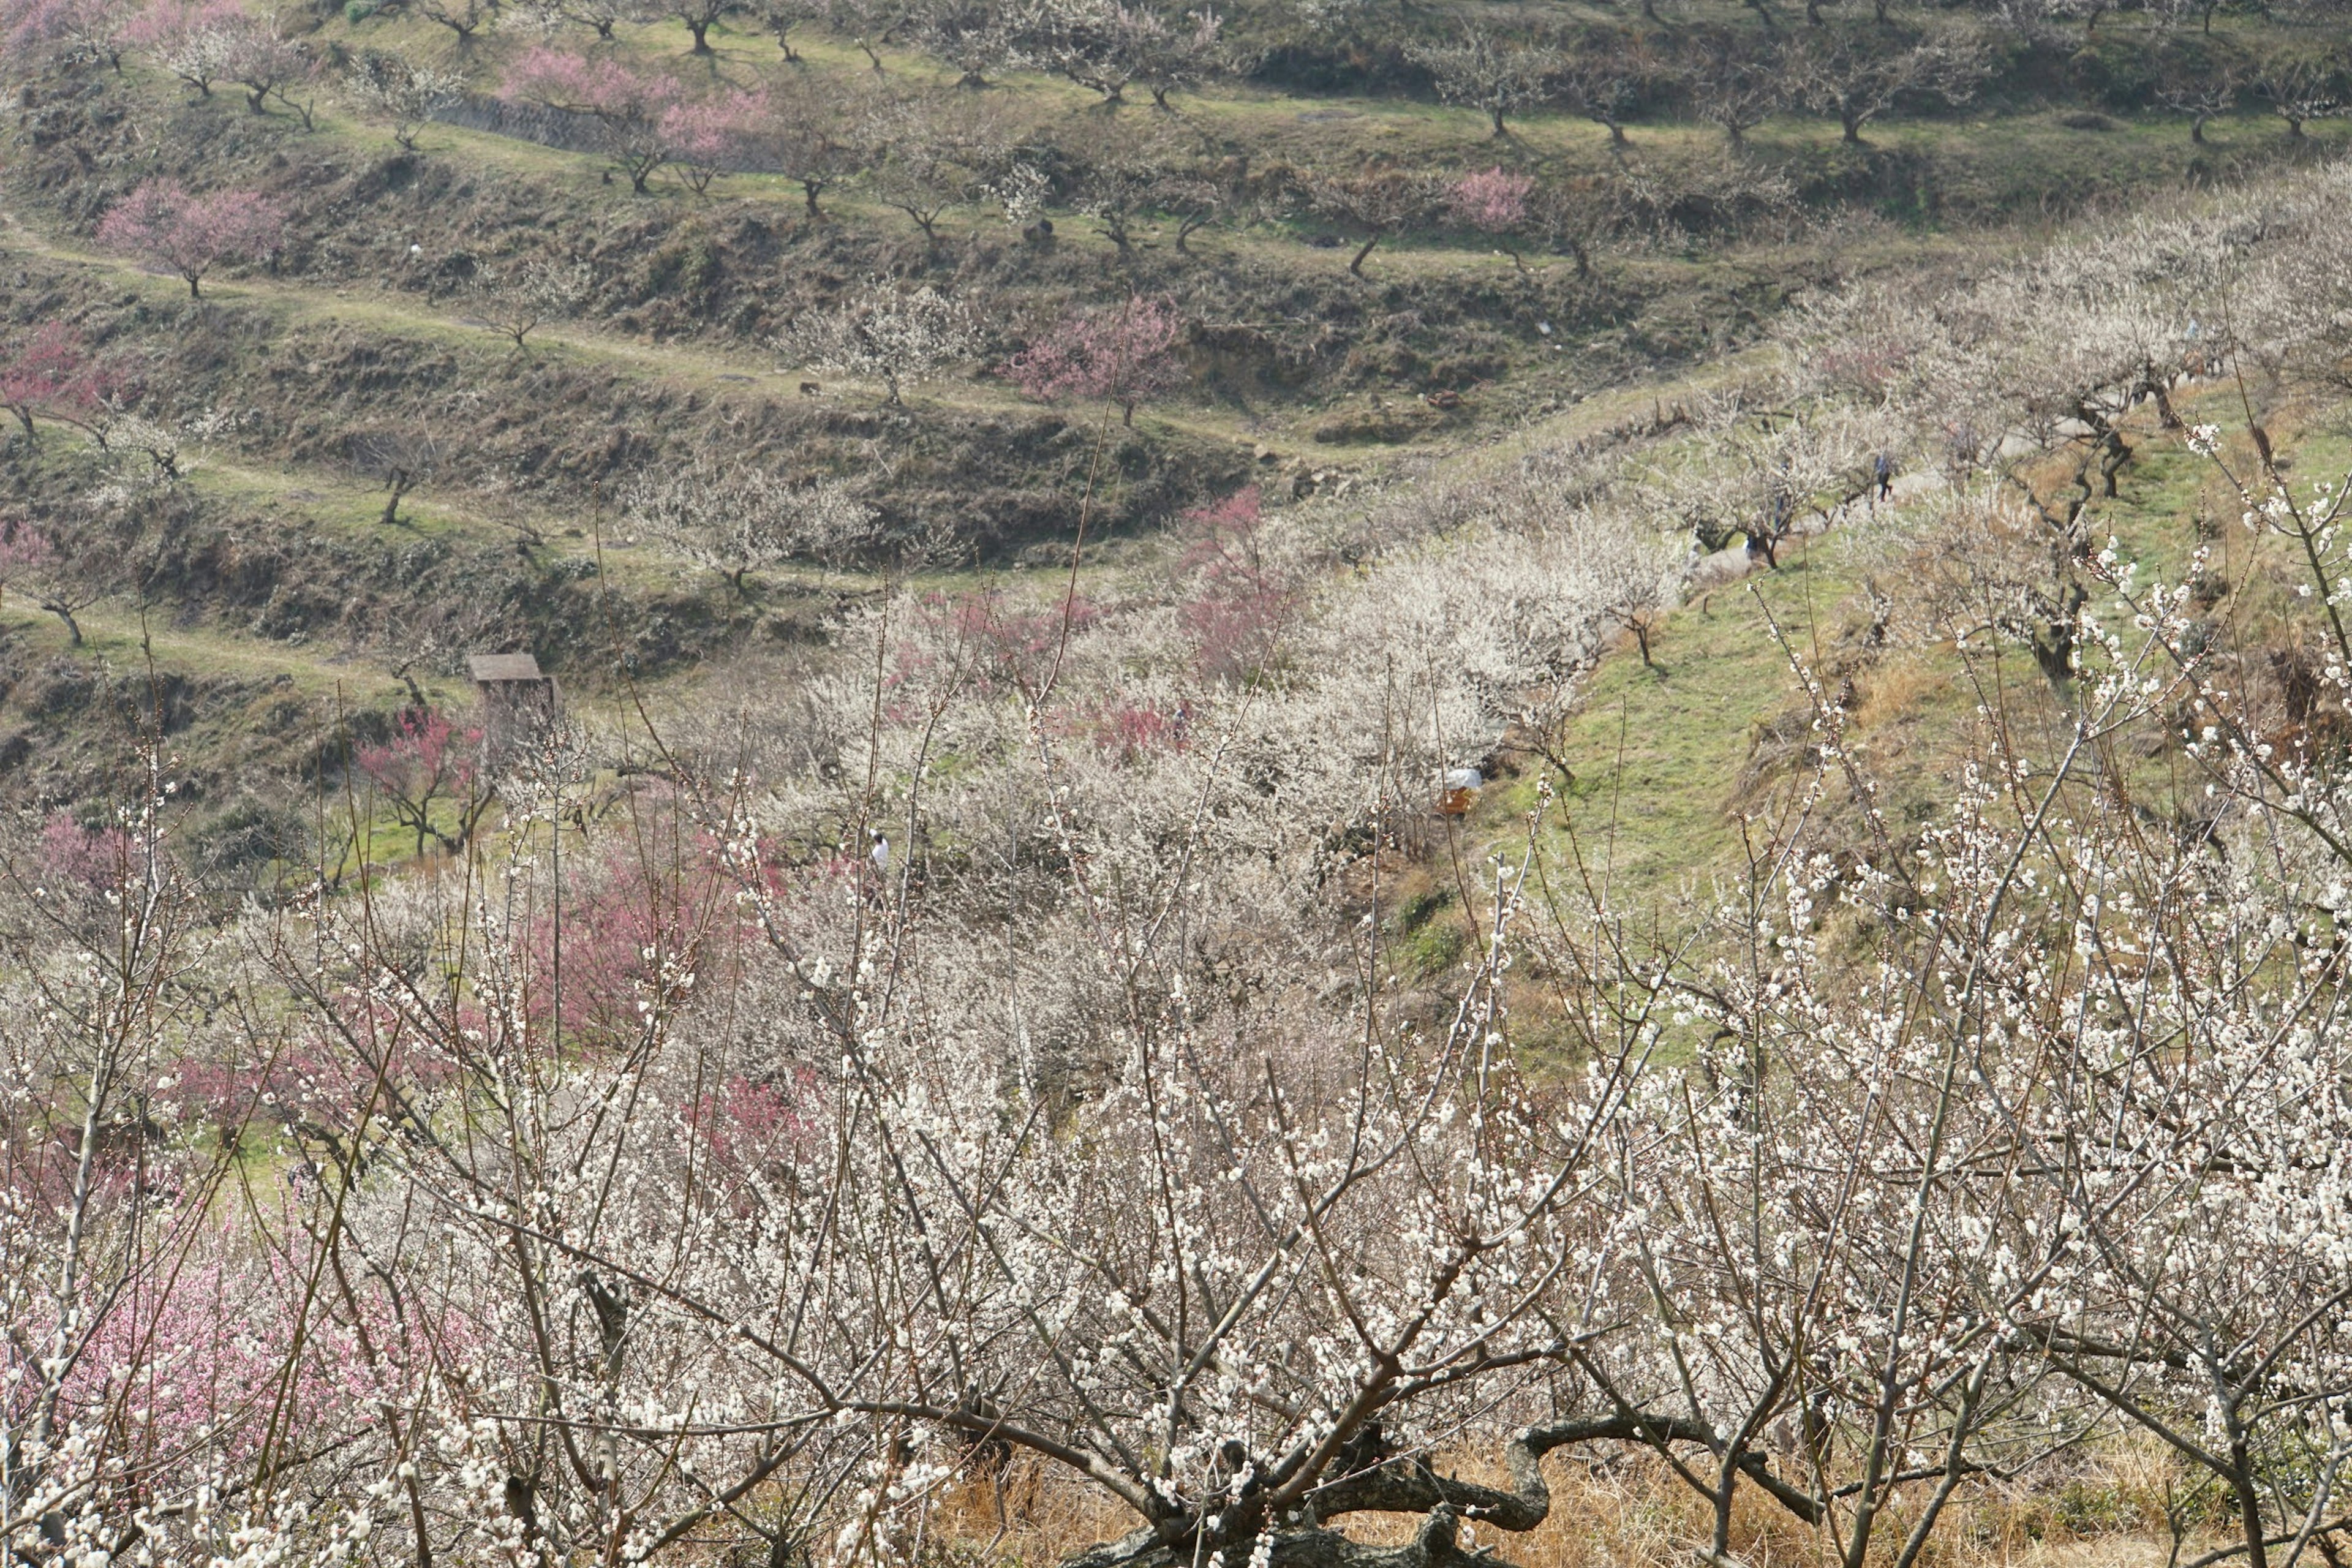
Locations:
(192, 235)
(1122, 353)
(1484, 72)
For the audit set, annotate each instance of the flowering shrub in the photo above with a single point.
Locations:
(1010, 644)
(1495, 202)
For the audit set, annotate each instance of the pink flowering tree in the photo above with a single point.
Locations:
(50, 373)
(32, 564)
(190, 235)
(428, 773)
(1241, 600)
(629, 108)
(700, 136)
(1000, 643)
(1494, 203)
(74, 29)
(1125, 355)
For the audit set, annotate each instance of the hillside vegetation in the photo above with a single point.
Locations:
(1346, 783)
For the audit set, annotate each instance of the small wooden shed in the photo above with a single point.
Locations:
(519, 703)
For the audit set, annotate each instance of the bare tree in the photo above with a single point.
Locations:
(868, 23)
(1484, 72)
(464, 18)
(1372, 205)
(2298, 87)
(812, 133)
(779, 18)
(700, 16)
(2200, 96)
(1855, 72)
(925, 152)
(1739, 85)
(398, 460)
(739, 518)
(1603, 82)
(522, 296)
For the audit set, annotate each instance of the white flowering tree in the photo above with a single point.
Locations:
(899, 337)
(735, 519)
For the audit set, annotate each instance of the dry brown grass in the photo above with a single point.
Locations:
(2107, 1511)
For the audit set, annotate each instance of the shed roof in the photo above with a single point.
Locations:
(494, 666)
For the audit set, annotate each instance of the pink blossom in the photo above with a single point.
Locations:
(50, 373)
(93, 29)
(90, 858)
(190, 235)
(748, 1124)
(1010, 647)
(1241, 603)
(1124, 354)
(428, 763)
(561, 80)
(630, 108)
(1128, 730)
(1494, 201)
(699, 136)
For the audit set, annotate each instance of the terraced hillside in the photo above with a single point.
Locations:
(1327, 784)
(272, 589)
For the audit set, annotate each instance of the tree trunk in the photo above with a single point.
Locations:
(2196, 129)
(64, 612)
(193, 293)
(809, 189)
(1500, 132)
(1355, 265)
(2250, 1509)
(701, 31)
